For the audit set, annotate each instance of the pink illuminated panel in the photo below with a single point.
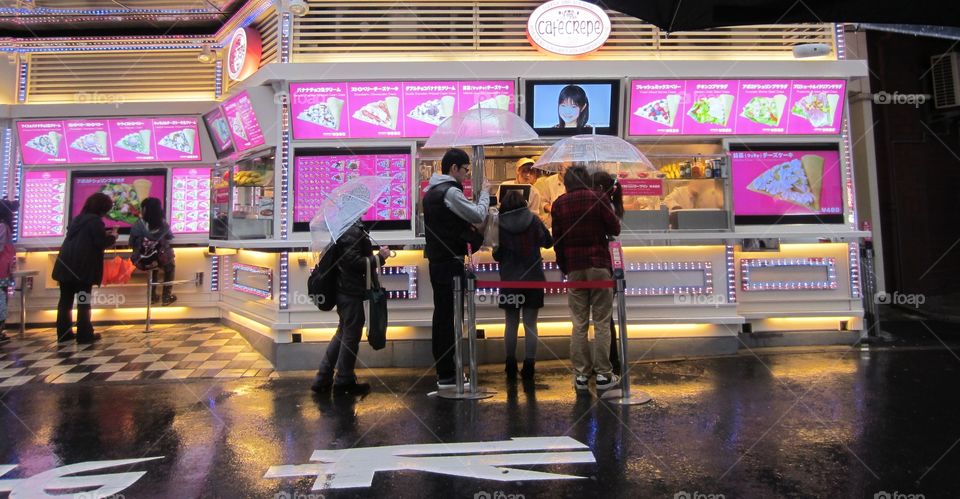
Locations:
(190, 205)
(44, 204)
(242, 121)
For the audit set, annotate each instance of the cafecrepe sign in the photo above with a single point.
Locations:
(243, 53)
(568, 27)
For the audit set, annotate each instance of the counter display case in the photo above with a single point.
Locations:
(242, 200)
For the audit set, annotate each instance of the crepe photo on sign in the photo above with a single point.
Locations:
(715, 110)
(181, 140)
(798, 181)
(434, 111)
(94, 143)
(221, 129)
(48, 143)
(498, 102)
(381, 113)
(325, 114)
(662, 111)
(236, 124)
(765, 110)
(817, 108)
(138, 142)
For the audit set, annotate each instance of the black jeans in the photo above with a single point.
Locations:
(441, 279)
(65, 309)
(169, 270)
(342, 351)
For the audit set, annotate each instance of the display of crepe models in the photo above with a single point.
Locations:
(715, 110)
(236, 124)
(48, 143)
(662, 111)
(138, 142)
(817, 108)
(381, 113)
(181, 140)
(126, 199)
(325, 114)
(765, 110)
(798, 181)
(94, 143)
(434, 111)
(497, 102)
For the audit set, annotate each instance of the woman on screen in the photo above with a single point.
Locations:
(573, 108)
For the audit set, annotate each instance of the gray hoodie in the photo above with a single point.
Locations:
(458, 203)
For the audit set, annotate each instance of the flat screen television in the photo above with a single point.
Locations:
(572, 107)
(219, 131)
(127, 189)
(317, 172)
(786, 184)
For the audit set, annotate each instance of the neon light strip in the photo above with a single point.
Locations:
(19, 180)
(6, 150)
(705, 289)
(215, 273)
(250, 290)
(840, 41)
(412, 281)
(848, 170)
(22, 81)
(284, 280)
(218, 79)
(731, 275)
(747, 264)
(285, 37)
(855, 289)
(285, 149)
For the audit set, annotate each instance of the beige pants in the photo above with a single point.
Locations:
(582, 302)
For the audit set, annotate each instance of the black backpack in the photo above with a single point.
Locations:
(322, 283)
(150, 254)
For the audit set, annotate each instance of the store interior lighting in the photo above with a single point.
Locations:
(298, 8)
(808, 50)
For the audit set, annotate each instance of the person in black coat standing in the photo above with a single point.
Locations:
(337, 367)
(522, 235)
(79, 266)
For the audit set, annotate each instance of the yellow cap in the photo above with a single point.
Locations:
(525, 161)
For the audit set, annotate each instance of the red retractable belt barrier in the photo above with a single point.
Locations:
(546, 284)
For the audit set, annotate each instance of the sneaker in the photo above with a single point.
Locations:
(607, 381)
(581, 382)
(352, 389)
(168, 300)
(68, 336)
(451, 382)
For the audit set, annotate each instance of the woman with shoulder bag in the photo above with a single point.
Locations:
(79, 266)
(150, 240)
(522, 235)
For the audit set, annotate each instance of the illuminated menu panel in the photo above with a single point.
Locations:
(744, 107)
(242, 121)
(190, 207)
(317, 176)
(124, 140)
(44, 204)
(391, 109)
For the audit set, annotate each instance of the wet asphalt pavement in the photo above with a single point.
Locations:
(838, 422)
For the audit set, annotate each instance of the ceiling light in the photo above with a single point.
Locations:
(806, 50)
(207, 55)
(298, 8)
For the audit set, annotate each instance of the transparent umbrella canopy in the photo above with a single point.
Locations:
(598, 152)
(344, 206)
(480, 127)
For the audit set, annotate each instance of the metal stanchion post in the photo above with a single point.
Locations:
(146, 329)
(472, 337)
(459, 393)
(622, 396)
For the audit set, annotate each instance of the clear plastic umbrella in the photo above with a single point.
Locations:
(344, 206)
(602, 152)
(479, 127)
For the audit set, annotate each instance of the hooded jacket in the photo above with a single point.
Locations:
(162, 234)
(81, 256)
(522, 235)
(355, 249)
(447, 213)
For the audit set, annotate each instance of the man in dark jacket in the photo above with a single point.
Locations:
(338, 364)
(582, 222)
(79, 266)
(447, 215)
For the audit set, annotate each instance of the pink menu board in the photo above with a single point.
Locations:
(411, 109)
(242, 120)
(44, 204)
(126, 189)
(786, 182)
(316, 176)
(642, 186)
(119, 140)
(190, 207)
(744, 107)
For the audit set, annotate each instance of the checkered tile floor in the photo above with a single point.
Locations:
(126, 353)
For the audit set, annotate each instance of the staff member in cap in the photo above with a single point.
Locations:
(528, 175)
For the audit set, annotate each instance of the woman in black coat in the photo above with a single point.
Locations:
(79, 266)
(522, 235)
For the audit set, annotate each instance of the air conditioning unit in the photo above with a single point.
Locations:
(945, 69)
